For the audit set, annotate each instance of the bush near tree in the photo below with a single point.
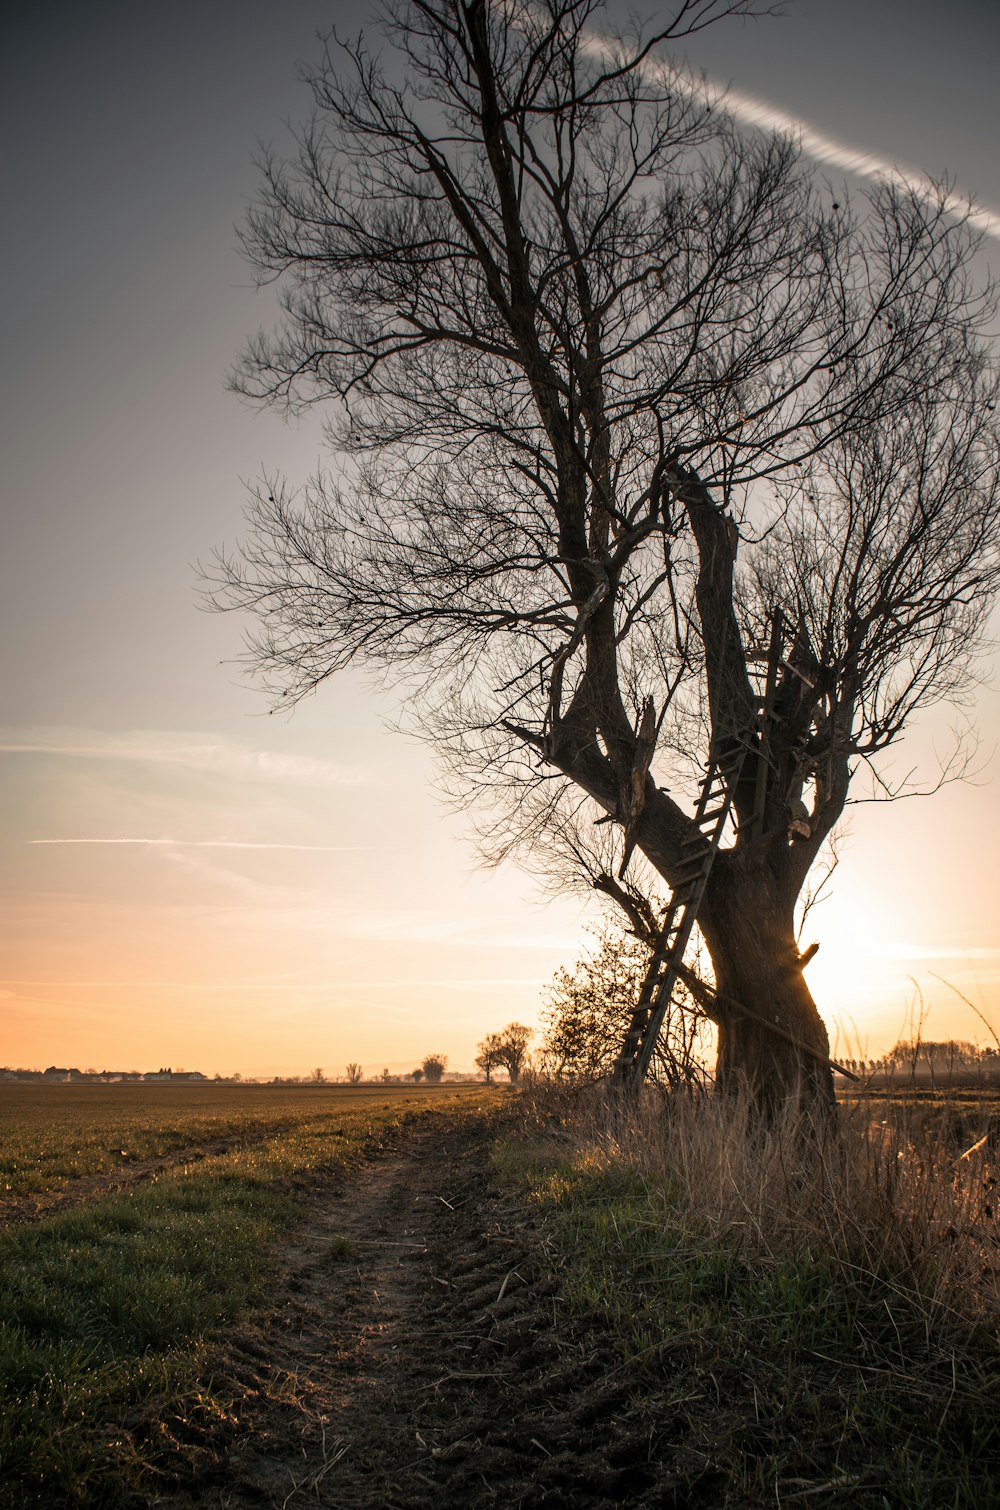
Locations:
(587, 1011)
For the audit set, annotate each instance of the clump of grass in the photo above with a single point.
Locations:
(813, 1310)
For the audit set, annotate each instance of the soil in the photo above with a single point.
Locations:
(419, 1353)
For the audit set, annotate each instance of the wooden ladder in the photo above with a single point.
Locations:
(715, 803)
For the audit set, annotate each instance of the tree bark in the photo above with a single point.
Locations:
(773, 1044)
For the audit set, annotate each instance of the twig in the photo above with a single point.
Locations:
(983, 1019)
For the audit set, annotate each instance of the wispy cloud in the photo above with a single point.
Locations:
(749, 110)
(218, 844)
(321, 989)
(194, 751)
(934, 951)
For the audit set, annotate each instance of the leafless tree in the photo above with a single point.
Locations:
(488, 1056)
(513, 1048)
(354, 1074)
(611, 387)
(505, 1050)
(434, 1067)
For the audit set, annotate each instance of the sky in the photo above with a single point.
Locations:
(189, 881)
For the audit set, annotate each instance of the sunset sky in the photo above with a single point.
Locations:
(188, 881)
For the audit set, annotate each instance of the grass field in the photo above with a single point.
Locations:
(54, 1135)
(798, 1320)
(108, 1306)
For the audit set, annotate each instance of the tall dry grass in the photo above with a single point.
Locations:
(882, 1191)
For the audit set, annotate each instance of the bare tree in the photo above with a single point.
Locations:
(434, 1067)
(488, 1056)
(618, 394)
(513, 1049)
(354, 1074)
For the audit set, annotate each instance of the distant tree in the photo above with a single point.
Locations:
(488, 1056)
(236, 1076)
(386, 1077)
(513, 1047)
(416, 1076)
(622, 391)
(434, 1067)
(354, 1074)
(937, 1057)
(318, 1076)
(588, 1007)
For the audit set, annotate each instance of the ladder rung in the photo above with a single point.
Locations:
(665, 975)
(714, 812)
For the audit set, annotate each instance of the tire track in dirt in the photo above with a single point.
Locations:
(418, 1355)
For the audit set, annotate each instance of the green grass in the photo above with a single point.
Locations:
(54, 1135)
(778, 1379)
(107, 1311)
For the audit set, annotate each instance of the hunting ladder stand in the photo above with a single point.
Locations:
(715, 801)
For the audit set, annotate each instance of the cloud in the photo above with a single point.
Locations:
(193, 751)
(285, 987)
(751, 111)
(218, 844)
(932, 951)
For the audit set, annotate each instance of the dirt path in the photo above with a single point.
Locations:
(417, 1355)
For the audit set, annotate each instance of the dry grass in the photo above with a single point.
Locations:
(813, 1309)
(885, 1190)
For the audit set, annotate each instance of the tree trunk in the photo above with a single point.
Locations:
(777, 1049)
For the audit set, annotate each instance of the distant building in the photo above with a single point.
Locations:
(172, 1075)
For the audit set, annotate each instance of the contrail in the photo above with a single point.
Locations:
(197, 752)
(217, 844)
(826, 149)
(751, 111)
